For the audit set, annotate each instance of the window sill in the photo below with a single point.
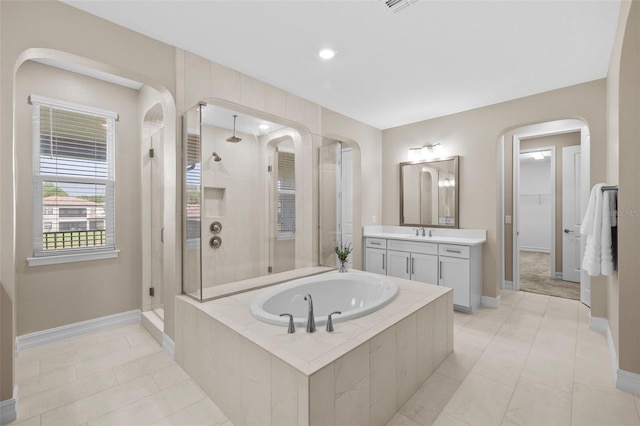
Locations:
(70, 258)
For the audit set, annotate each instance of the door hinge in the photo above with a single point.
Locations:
(152, 291)
(270, 269)
(152, 152)
(269, 168)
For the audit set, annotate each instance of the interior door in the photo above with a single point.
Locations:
(571, 216)
(157, 220)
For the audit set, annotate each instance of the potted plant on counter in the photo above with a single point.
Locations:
(343, 251)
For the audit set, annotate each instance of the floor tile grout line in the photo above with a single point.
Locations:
(77, 379)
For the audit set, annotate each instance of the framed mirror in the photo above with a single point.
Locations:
(429, 193)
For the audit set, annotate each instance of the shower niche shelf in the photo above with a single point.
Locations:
(214, 202)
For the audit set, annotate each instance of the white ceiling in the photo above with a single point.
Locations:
(216, 116)
(434, 58)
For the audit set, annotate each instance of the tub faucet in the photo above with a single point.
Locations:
(311, 322)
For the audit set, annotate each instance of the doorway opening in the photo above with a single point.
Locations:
(336, 200)
(545, 192)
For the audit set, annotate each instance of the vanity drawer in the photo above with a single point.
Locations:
(454, 251)
(376, 242)
(413, 247)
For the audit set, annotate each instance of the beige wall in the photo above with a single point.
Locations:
(241, 210)
(32, 29)
(629, 198)
(68, 293)
(558, 141)
(474, 135)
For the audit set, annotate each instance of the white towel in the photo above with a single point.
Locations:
(596, 225)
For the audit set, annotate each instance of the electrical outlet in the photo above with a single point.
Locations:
(507, 220)
(373, 220)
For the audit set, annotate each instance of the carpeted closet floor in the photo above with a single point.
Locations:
(535, 277)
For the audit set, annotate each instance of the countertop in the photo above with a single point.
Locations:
(436, 239)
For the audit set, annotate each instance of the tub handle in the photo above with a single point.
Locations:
(292, 327)
(330, 321)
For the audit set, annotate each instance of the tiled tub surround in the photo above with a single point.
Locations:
(363, 373)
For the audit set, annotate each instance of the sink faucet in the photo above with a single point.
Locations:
(311, 322)
(429, 233)
(423, 234)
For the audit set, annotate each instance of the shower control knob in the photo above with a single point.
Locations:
(215, 242)
(215, 227)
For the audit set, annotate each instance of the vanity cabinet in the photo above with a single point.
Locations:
(376, 255)
(456, 266)
(413, 261)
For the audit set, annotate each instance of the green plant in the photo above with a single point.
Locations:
(343, 251)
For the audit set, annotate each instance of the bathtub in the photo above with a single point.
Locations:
(353, 293)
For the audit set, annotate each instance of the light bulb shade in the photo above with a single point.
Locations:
(415, 154)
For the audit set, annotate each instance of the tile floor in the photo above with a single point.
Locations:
(534, 361)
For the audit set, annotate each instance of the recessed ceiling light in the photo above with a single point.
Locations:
(263, 127)
(327, 53)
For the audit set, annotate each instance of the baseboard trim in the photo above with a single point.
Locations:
(169, 346)
(599, 324)
(490, 302)
(628, 381)
(9, 408)
(508, 285)
(602, 325)
(56, 334)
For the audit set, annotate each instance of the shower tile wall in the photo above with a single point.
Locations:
(234, 197)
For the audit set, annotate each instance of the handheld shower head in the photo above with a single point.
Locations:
(234, 138)
(216, 157)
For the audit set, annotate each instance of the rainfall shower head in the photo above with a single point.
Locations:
(234, 138)
(216, 157)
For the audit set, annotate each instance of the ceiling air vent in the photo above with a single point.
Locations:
(398, 5)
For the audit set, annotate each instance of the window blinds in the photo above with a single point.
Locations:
(286, 193)
(74, 173)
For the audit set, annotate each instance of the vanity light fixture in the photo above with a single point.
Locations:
(415, 154)
(447, 183)
(327, 53)
(538, 155)
(426, 152)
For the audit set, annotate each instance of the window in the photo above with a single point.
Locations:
(67, 212)
(286, 188)
(73, 178)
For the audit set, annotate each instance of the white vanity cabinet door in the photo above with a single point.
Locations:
(399, 264)
(376, 260)
(454, 273)
(424, 268)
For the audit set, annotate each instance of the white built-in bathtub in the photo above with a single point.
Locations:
(353, 293)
